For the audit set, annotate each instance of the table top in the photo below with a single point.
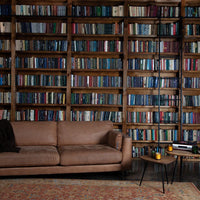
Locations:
(165, 160)
(183, 153)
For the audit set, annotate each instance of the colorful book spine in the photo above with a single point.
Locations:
(41, 80)
(5, 97)
(97, 46)
(113, 116)
(154, 11)
(96, 81)
(191, 135)
(96, 98)
(98, 11)
(41, 10)
(152, 117)
(5, 62)
(96, 63)
(191, 82)
(40, 98)
(41, 45)
(5, 79)
(191, 118)
(152, 82)
(152, 100)
(36, 27)
(98, 29)
(40, 115)
(153, 134)
(41, 63)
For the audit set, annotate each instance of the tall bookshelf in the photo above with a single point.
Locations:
(191, 70)
(153, 91)
(99, 60)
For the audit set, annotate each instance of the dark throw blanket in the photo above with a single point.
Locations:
(7, 137)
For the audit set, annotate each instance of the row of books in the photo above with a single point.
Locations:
(5, 62)
(152, 46)
(192, 47)
(5, 45)
(113, 116)
(191, 100)
(40, 97)
(192, 29)
(191, 82)
(40, 115)
(97, 11)
(116, 28)
(95, 29)
(169, 46)
(191, 64)
(41, 62)
(97, 46)
(5, 97)
(5, 10)
(153, 134)
(5, 79)
(41, 80)
(99, 63)
(41, 27)
(191, 135)
(152, 100)
(168, 29)
(152, 82)
(191, 118)
(5, 114)
(192, 11)
(151, 64)
(96, 63)
(154, 11)
(96, 98)
(96, 81)
(41, 10)
(51, 115)
(137, 152)
(141, 29)
(142, 46)
(141, 151)
(152, 117)
(5, 27)
(41, 45)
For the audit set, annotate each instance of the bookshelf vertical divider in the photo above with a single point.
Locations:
(159, 58)
(125, 67)
(182, 33)
(69, 39)
(13, 56)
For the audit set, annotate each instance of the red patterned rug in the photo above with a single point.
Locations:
(79, 189)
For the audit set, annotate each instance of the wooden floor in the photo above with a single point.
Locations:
(190, 173)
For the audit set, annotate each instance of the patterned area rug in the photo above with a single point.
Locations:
(79, 189)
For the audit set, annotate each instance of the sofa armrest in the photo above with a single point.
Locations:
(115, 139)
(126, 152)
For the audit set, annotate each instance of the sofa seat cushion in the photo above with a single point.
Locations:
(31, 156)
(89, 155)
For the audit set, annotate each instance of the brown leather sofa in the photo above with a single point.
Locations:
(66, 147)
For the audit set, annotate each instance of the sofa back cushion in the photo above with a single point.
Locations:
(83, 132)
(35, 133)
